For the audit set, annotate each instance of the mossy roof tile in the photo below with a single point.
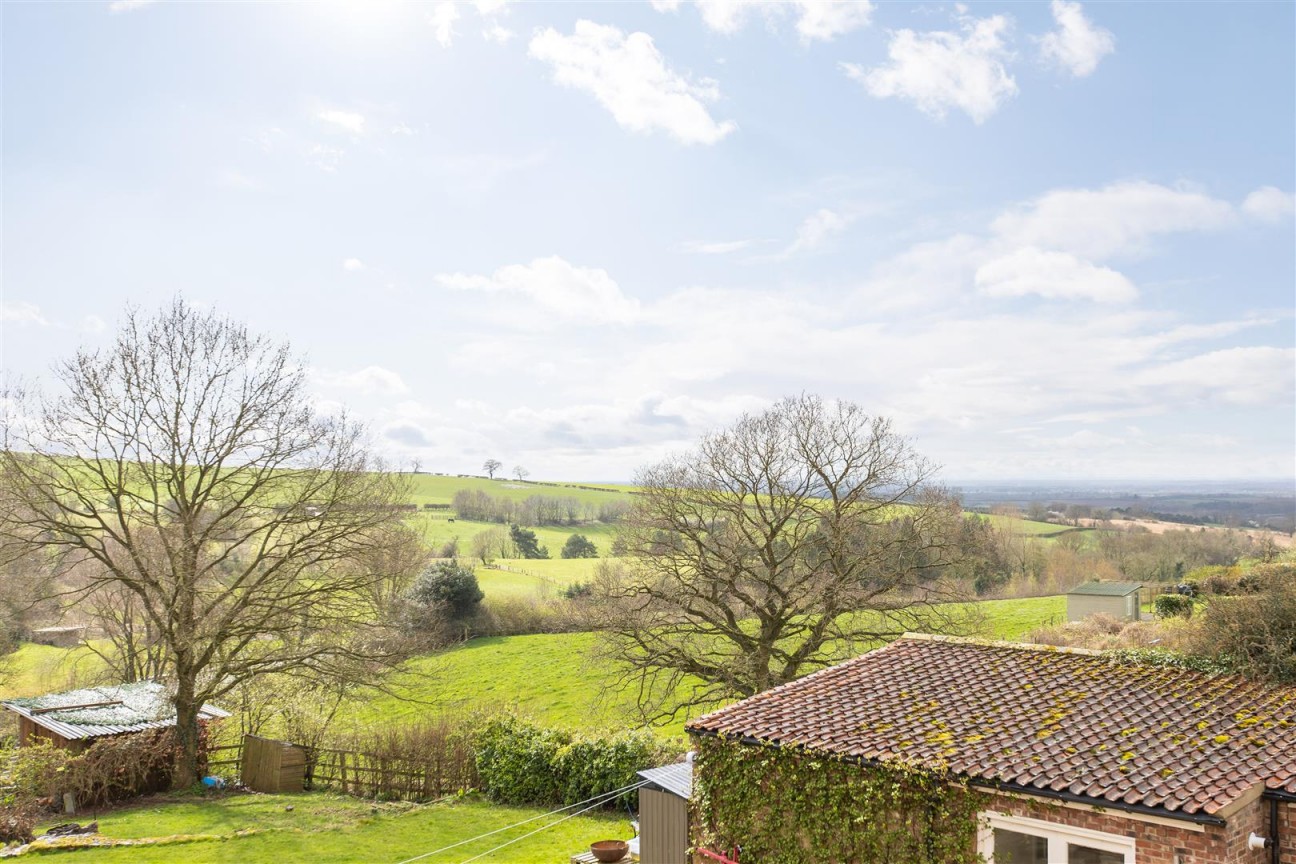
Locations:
(1059, 719)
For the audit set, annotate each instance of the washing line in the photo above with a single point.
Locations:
(601, 799)
(538, 830)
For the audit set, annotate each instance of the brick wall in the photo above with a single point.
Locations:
(1287, 831)
(1161, 843)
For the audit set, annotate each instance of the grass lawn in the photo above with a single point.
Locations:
(337, 829)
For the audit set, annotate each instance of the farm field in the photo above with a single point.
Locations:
(261, 829)
(440, 489)
(557, 679)
(535, 578)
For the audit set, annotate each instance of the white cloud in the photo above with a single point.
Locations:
(93, 324)
(940, 70)
(443, 18)
(353, 264)
(348, 120)
(498, 34)
(370, 379)
(576, 293)
(1269, 204)
(827, 19)
(21, 312)
(1077, 45)
(1052, 274)
(324, 157)
(401, 129)
(821, 20)
(1120, 218)
(1259, 375)
(723, 247)
(816, 230)
(629, 77)
(118, 6)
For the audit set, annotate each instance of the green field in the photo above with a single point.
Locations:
(543, 578)
(340, 830)
(440, 489)
(559, 679)
(555, 678)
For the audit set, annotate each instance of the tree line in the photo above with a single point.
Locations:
(479, 506)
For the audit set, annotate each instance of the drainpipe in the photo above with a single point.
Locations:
(1276, 853)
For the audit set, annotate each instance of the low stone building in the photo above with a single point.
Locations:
(1069, 756)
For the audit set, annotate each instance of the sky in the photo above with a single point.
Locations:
(1049, 240)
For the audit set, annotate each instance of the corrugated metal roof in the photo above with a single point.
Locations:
(1107, 589)
(677, 779)
(96, 712)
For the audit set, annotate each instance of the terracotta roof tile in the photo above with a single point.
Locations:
(1040, 717)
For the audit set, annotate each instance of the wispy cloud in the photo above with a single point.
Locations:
(574, 293)
(723, 247)
(817, 229)
(119, 6)
(348, 120)
(1077, 45)
(630, 78)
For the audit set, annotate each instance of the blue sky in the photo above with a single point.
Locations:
(1050, 240)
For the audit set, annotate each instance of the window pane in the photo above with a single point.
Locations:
(1011, 847)
(1085, 855)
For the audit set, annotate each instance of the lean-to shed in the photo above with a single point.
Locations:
(1118, 599)
(75, 719)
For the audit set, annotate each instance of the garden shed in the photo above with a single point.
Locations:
(663, 814)
(1028, 753)
(75, 719)
(1121, 600)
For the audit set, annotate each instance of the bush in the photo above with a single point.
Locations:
(519, 762)
(515, 761)
(1173, 606)
(579, 546)
(1254, 635)
(450, 587)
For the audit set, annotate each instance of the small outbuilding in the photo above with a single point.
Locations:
(663, 814)
(1121, 600)
(75, 719)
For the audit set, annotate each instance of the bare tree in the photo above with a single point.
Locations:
(490, 466)
(185, 470)
(795, 537)
(520, 473)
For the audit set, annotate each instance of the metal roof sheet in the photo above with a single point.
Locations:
(676, 779)
(1107, 589)
(78, 714)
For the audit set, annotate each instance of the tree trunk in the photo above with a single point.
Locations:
(186, 729)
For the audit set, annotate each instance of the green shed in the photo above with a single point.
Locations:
(1117, 599)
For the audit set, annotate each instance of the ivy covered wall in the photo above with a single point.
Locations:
(786, 806)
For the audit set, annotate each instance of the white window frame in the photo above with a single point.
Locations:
(1058, 837)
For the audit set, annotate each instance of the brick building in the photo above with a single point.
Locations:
(1086, 758)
